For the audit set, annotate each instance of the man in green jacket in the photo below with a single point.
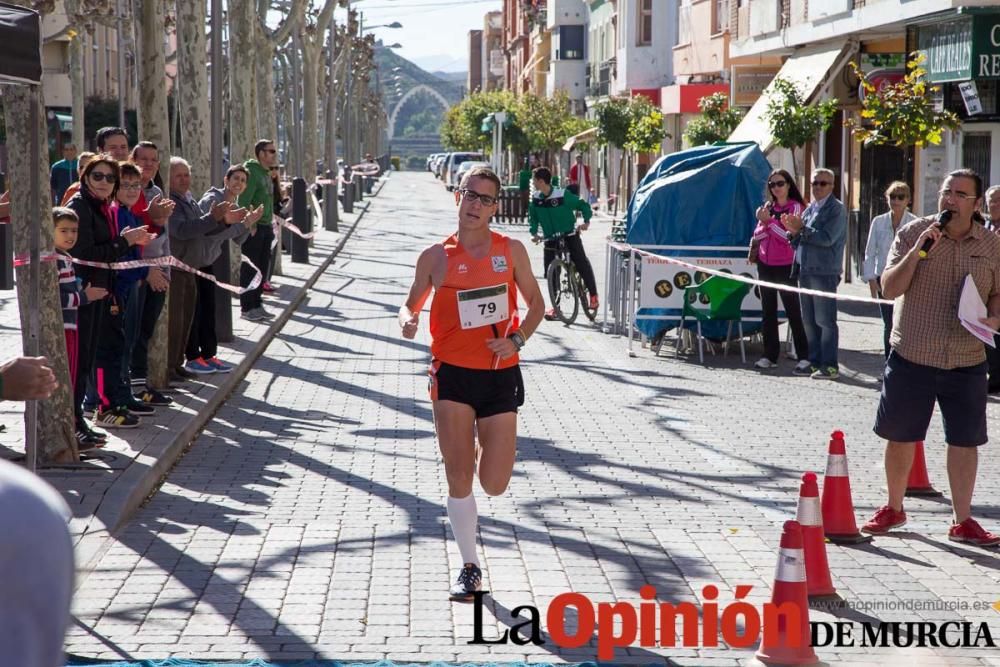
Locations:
(257, 248)
(554, 210)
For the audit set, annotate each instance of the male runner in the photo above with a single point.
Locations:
(475, 381)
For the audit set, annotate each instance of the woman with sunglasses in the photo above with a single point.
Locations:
(774, 256)
(98, 240)
(880, 238)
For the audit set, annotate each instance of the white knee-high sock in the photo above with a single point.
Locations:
(464, 518)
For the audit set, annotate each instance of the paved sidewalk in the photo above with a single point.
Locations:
(108, 486)
(308, 518)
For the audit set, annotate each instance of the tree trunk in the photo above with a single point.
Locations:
(311, 53)
(76, 90)
(267, 115)
(55, 415)
(242, 84)
(193, 101)
(155, 127)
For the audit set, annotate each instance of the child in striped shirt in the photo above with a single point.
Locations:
(71, 294)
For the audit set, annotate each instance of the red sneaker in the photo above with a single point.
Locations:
(267, 287)
(970, 532)
(550, 314)
(885, 519)
(593, 302)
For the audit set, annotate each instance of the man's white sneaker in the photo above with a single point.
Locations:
(764, 363)
(803, 368)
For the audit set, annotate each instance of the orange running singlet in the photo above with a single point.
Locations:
(477, 301)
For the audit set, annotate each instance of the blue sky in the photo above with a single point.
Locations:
(434, 33)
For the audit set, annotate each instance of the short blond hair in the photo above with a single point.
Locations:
(897, 187)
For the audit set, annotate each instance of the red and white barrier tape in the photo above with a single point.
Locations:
(22, 260)
(294, 229)
(624, 247)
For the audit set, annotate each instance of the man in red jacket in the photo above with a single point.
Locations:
(579, 176)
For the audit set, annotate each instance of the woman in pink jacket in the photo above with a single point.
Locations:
(774, 257)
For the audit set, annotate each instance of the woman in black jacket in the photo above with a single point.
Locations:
(98, 241)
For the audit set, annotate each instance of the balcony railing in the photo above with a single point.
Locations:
(599, 77)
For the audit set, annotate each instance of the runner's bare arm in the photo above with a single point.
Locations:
(409, 312)
(532, 295)
(527, 285)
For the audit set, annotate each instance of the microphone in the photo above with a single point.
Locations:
(943, 218)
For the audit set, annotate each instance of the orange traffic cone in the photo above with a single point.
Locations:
(810, 518)
(838, 508)
(919, 484)
(789, 586)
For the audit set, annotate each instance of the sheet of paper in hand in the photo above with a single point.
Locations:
(970, 309)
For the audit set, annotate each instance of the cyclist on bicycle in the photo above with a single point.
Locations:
(554, 209)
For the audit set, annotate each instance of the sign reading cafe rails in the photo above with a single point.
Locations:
(964, 48)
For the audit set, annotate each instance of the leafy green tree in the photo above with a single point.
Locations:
(547, 121)
(645, 131)
(613, 120)
(634, 125)
(463, 123)
(793, 122)
(716, 123)
(903, 113)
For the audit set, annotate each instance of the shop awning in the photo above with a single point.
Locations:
(65, 122)
(586, 135)
(808, 69)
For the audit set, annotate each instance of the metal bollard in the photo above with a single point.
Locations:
(6, 256)
(330, 217)
(359, 194)
(301, 219)
(348, 197)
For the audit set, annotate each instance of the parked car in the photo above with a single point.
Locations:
(465, 167)
(430, 161)
(451, 166)
(438, 164)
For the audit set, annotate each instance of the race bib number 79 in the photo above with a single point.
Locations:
(483, 306)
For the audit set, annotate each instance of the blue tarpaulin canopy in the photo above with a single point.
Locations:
(704, 196)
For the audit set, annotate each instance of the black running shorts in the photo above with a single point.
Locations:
(488, 392)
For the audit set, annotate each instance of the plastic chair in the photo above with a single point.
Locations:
(725, 301)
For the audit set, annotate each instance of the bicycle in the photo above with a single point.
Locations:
(567, 291)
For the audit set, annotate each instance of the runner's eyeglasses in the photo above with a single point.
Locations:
(472, 195)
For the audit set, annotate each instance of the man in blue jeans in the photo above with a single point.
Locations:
(818, 237)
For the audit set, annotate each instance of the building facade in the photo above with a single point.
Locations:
(815, 41)
(566, 22)
(493, 64)
(474, 79)
(516, 46)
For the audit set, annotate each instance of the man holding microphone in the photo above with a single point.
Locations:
(933, 357)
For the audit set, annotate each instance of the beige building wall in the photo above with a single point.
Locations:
(100, 62)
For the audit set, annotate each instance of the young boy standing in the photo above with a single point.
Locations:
(72, 296)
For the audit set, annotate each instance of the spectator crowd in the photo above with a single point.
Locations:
(921, 265)
(113, 206)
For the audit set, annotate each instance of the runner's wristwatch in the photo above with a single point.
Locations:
(517, 339)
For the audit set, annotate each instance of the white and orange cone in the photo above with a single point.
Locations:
(810, 517)
(790, 587)
(919, 484)
(839, 524)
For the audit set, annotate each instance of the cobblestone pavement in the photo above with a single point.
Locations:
(97, 489)
(308, 519)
